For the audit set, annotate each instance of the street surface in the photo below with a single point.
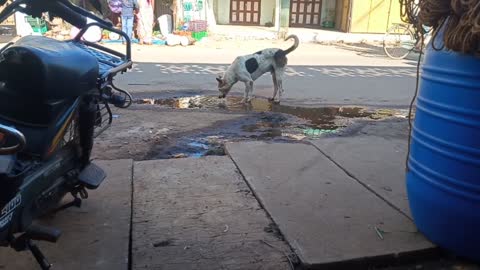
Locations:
(316, 74)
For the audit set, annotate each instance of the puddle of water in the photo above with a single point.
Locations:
(262, 126)
(272, 122)
(190, 147)
(323, 118)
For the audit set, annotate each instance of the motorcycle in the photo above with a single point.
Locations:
(54, 100)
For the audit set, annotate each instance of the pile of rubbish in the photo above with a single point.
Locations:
(187, 34)
(179, 39)
(55, 28)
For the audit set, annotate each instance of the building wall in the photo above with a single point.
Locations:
(374, 16)
(367, 16)
(285, 13)
(268, 12)
(223, 11)
(341, 14)
(341, 19)
(211, 14)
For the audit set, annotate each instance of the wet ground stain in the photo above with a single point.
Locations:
(263, 121)
(211, 141)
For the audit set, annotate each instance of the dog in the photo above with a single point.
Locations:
(250, 67)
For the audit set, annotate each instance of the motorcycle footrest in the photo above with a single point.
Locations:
(92, 176)
(43, 233)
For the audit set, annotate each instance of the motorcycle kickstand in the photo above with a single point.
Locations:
(77, 202)
(41, 259)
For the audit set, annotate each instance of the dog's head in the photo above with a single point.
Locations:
(223, 86)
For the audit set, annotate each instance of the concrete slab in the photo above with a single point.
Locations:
(375, 155)
(200, 214)
(326, 216)
(95, 236)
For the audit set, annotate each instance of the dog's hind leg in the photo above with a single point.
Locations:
(247, 98)
(279, 84)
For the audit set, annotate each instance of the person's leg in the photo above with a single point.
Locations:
(140, 28)
(130, 27)
(124, 26)
(127, 26)
(116, 19)
(149, 29)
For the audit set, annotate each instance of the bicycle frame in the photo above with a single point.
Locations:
(401, 39)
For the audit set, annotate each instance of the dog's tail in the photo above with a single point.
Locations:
(294, 46)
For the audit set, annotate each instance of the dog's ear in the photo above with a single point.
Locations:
(219, 80)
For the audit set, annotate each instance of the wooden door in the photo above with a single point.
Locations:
(305, 13)
(245, 12)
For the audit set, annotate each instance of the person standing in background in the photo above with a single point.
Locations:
(145, 22)
(128, 10)
(116, 9)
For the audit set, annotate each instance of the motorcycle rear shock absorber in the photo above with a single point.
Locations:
(87, 118)
(117, 97)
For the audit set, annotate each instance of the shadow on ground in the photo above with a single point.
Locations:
(375, 51)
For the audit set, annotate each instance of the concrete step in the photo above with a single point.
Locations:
(326, 216)
(376, 157)
(200, 214)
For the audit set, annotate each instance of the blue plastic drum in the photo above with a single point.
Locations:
(443, 182)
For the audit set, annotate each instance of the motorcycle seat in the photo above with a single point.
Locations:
(45, 68)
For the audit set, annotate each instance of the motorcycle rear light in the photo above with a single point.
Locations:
(2, 138)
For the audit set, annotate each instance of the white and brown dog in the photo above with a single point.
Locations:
(250, 67)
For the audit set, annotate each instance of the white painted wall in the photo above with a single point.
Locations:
(212, 23)
(268, 12)
(223, 11)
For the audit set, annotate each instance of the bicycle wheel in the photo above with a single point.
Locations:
(398, 42)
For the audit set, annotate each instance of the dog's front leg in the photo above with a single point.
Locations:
(247, 98)
(275, 87)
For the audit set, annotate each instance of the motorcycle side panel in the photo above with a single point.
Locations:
(42, 134)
